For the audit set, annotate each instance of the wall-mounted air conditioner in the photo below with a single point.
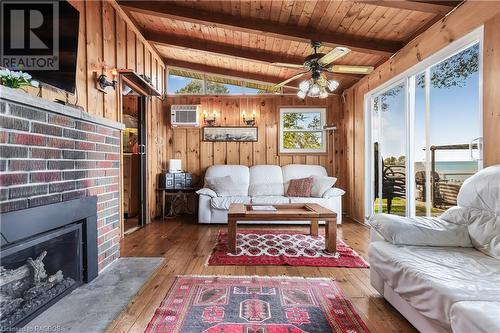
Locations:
(185, 115)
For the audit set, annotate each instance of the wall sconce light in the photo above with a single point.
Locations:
(249, 121)
(209, 121)
(102, 80)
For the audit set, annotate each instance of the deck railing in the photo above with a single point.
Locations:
(448, 191)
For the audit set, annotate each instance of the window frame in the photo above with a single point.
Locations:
(303, 109)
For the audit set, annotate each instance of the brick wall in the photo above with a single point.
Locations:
(48, 157)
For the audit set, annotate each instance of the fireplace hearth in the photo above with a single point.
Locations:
(46, 252)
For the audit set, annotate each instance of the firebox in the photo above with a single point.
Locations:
(46, 252)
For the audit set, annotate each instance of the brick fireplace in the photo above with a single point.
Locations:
(52, 153)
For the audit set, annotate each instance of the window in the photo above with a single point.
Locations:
(187, 82)
(301, 130)
(424, 133)
(179, 84)
(223, 86)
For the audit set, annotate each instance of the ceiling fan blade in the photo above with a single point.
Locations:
(281, 84)
(333, 55)
(351, 69)
(284, 64)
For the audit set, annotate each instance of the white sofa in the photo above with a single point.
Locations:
(443, 274)
(262, 184)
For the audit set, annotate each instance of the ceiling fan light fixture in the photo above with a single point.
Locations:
(301, 94)
(323, 93)
(304, 85)
(332, 85)
(315, 90)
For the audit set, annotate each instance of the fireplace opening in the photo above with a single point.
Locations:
(46, 253)
(37, 272)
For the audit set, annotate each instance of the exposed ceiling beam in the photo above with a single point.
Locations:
(261, 27)
(435, 7)
(217, 49)
(229, 72)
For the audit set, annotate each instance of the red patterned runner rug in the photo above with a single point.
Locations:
(283, 248)
(215, 304)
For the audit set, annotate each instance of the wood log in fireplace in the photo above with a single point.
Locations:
(32, 267)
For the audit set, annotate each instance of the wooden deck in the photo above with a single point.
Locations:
(186, 246)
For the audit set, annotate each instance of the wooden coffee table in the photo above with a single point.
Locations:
(285, 212)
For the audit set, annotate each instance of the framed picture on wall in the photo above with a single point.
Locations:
(230, 134)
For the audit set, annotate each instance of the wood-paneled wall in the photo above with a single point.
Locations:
(108, 37)
(186, 143)
(460, 22)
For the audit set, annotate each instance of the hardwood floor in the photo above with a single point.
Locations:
(186, 246)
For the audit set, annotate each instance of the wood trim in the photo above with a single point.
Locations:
(261, 27)
(491, 91)
(139, 84)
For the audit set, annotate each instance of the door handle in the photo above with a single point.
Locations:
(479, 148)
(142, 149)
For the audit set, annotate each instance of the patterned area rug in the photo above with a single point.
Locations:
(283, 248)
(215, 304)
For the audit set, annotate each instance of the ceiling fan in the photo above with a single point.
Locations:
(317, 63)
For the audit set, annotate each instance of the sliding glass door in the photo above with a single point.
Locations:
(389, 150)
(425, 135)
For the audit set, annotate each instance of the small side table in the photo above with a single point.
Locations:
(176, 194)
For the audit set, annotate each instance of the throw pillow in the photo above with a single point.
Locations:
(226, 186)
(299, 187)
(321, 184)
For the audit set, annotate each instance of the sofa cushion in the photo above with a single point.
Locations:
(426, 231)
(477, 317)
(483, 227)
(294, 171)
(482, 190)
(226, 186)
(484, 231)
(321, 184)
(320, 201)
(265, 180)
(239, 173)
(223, 203)
(299, 187)
(270, 200)
(431, 279)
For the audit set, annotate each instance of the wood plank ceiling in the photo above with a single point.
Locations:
(242, 38)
